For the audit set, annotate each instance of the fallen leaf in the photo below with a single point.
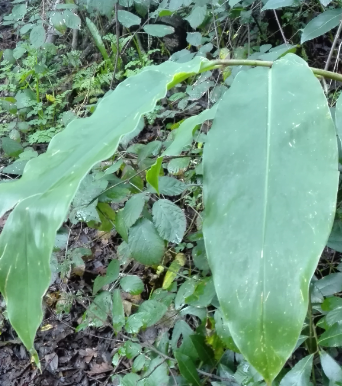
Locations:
(127, 307)
(88, 354)
(99, 368)
(47, 327)
(51, 361)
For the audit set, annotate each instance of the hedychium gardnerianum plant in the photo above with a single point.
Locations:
(270, 186)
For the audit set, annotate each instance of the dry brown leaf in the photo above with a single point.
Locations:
(127, 307)
(88, 354)
(99, 368)
(51, 361)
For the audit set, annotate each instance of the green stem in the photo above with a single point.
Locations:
(259, 63)
(313, 333)
(40, 112)
(138, 48)
(37, 90)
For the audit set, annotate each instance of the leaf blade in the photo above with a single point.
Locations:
(41, 198)
(299, 375)
(224, 233)
(145, 244)
(321, 24)
(169, 220)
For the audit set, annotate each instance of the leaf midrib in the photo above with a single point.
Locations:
(266, 188)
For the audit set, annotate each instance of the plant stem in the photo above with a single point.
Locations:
(280, 28)
(117, 44)
(259, 63)
(338, 33)
(313, 334)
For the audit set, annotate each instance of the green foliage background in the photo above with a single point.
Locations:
(229, 220)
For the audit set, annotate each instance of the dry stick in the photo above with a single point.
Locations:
(117, 43)
(280, 28)
(249, 40)
(74, 39)
(224, 27)
(338, 33)
(173, 376)
(337, 58)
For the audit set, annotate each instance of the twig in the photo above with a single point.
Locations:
(173, 376)
(136, 32)
(215, 26)
(117, 43)
(224, 27)
(249, 39)
(174, 360)
(74, 39)
(119, 183)
(214, 376)
(280, 28)
(153, 370)
(338, 33)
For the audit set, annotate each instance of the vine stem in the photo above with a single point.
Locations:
(260, 63)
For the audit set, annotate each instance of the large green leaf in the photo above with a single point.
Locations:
(71, 19)
(157, 373)
(338, 118)
(145, 244)
(275, 4)
(128, 19)
(197, 16)
(132, 284)
(118, 314)
(321, 24)
(104, 7)
(331, 369)
(299, 375)
(133, 209)
(37, 36)
(11, 147)
(270, 184)
(331, 337)
(112, 274)
(335, 238)
(187, 368)
(41, 198)
(170, 220)
(170, 186)
(158, 30)
(97, 38)
(183, 136)
(194, 38)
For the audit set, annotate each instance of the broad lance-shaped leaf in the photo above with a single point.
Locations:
(299, 375)
(270, 185)
(184, 133)
(331, 369)
(49, 182)
(338, 118)
(97, 38)
(321, 24)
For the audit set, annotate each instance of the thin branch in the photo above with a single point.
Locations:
(215, 26)
(280, 28)
(117, 43)
(249, 39)
(74, 39)
(338, 33)
(152, 348)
